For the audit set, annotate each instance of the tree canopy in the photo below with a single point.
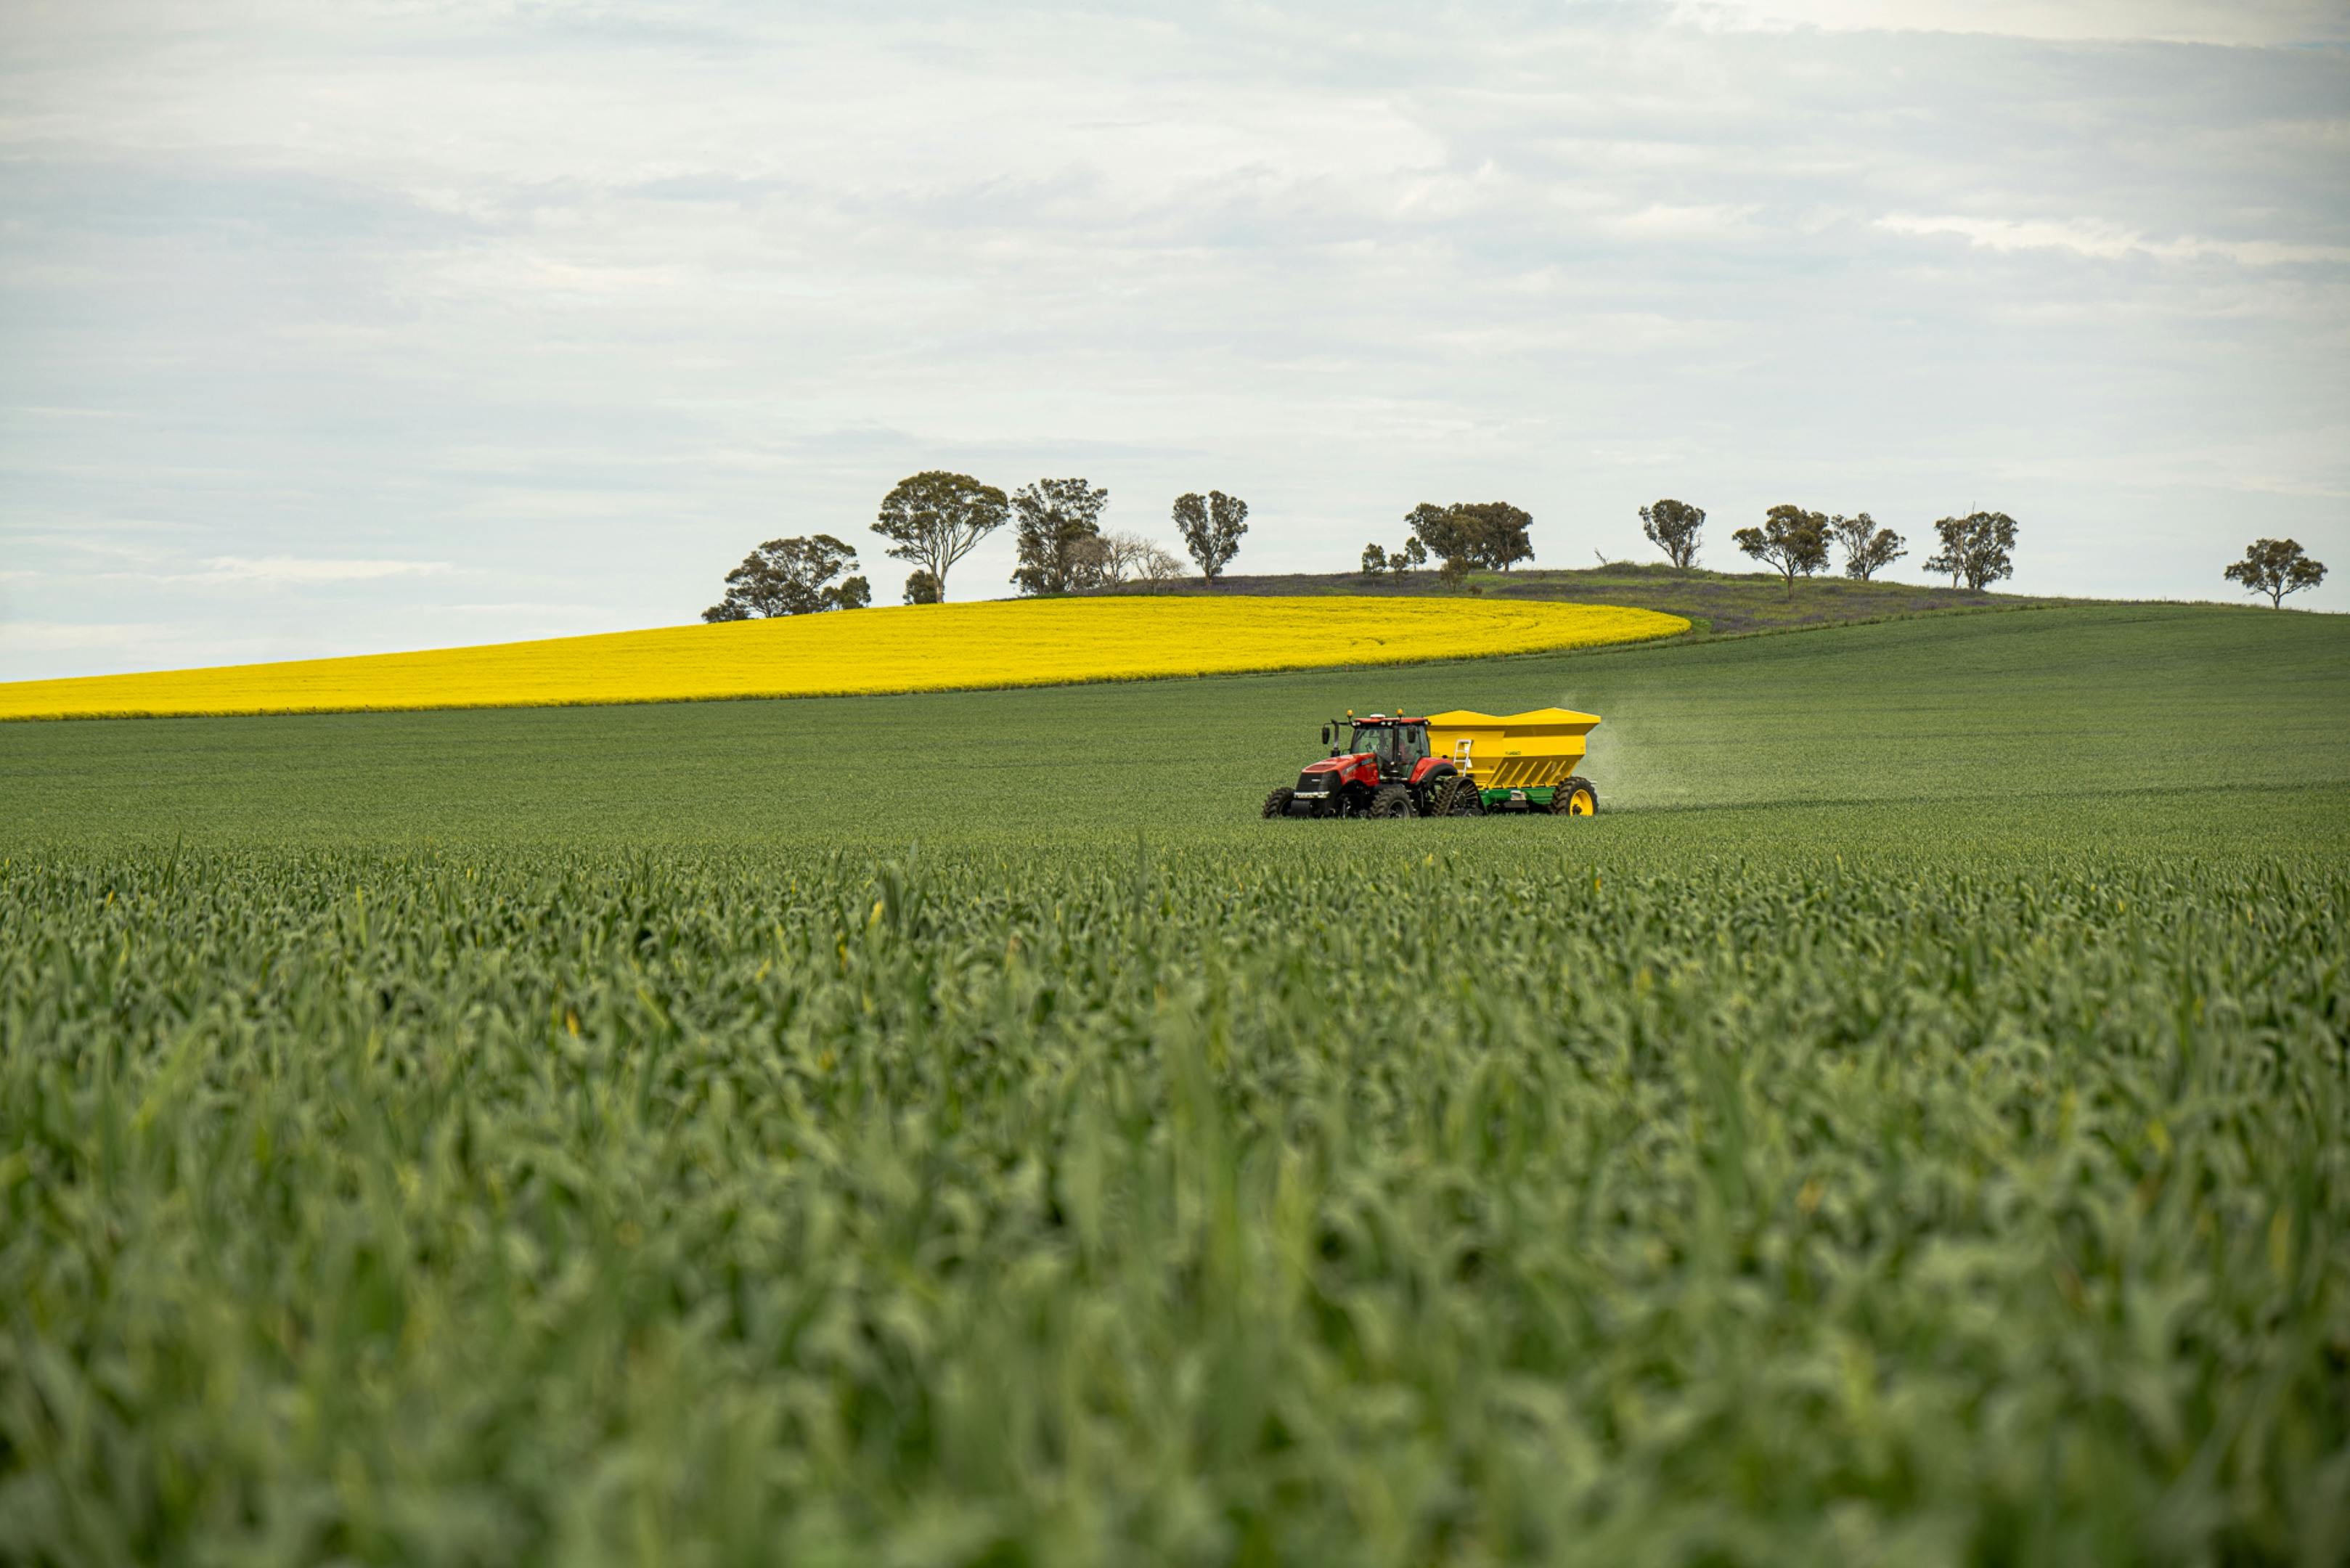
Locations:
(1059, 519)
(1377, 559)
(1502, 531)
(1792, 540)
(792, 577)
(1673, 527)
(934, 519)
(1868, 548)
(1475, 534)
(1977, 549)
(2276, 568)
(1115, 559)
(1211, 527)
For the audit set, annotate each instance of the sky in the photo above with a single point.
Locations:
(392, 324)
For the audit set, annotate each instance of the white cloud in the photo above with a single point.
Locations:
(1667, 223)
(296, 569)
(2108, 241)
(2268, 23)
(62, 637)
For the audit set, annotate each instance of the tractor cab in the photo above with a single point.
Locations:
(1396, 746)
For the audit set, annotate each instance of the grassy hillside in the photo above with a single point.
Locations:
(1723, 603)
(1907, 1126)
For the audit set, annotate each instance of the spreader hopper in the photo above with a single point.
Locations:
(1512, 756)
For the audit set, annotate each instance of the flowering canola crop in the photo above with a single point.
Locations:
(922, 648)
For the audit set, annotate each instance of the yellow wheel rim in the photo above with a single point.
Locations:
(1580, 804)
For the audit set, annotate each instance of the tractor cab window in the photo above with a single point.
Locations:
(1397, 746)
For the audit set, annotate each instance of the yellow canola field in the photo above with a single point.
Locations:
(922, 647)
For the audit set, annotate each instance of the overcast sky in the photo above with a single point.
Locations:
(379, 324)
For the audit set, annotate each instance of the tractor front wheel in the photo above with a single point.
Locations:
(1392, 800)
(1277, 802)
(1577, 798)
(1460, 797)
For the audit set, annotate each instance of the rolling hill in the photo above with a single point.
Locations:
(2197, 703)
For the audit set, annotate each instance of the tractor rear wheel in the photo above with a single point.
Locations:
(1578, 796)
(1392, 800)
(1277, 802)
(1460, 797)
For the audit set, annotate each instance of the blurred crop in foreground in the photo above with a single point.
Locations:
(1055, 1204)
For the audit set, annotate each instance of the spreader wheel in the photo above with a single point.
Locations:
(1460, 797)
(1277, 802)
(1392, 800)
(1578, 796)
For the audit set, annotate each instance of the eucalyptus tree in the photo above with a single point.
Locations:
(1673, 527)
(1977, 549)
(934, 519)
(2276, 568)
(1211, 527)
(1791, 542)
(792, 577)
(1868, 548)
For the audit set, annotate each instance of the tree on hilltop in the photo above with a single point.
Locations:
(1211, 527)
(1378, 559)
(792, 577)
(1060, 520)
(1441, 530)
(1868, 549)
(934, 519)
(1501, 531)
(1792, 541)
(1155, 567)
(921, 588)
(1112, 560)
(2276, 568)
(1470, 535)
(1673, 527)
(1977, 549)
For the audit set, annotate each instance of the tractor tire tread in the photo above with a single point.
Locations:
(1460, 797)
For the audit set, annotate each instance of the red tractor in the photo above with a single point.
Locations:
(1384, 769)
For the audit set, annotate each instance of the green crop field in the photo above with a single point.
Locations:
(1907, 1126)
